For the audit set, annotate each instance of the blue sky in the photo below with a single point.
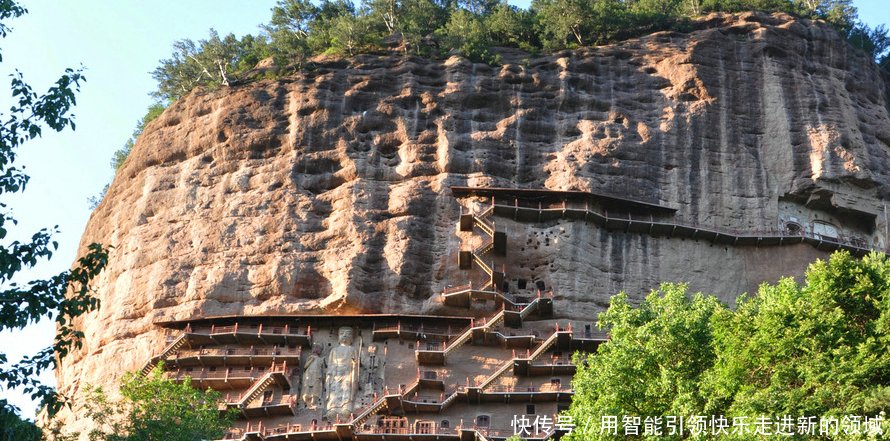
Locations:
(119, 43)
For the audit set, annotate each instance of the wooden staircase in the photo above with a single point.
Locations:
(171, 347)
(276, 375)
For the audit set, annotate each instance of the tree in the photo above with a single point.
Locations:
(289, 30)
(13, 428)
(571, 23)
(420, 19)
(653, 362)
(512, 26)
(384, 15)
(66, 295)
(873, 41)
(813, 349)
(468, 34)
(210, 63)
(560, 20)
(349, 34)
(155, 408)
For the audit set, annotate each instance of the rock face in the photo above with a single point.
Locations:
(328, 192)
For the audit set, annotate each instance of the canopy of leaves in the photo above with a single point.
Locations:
(300, 29)
(812, 349)
(653, 363)
(210, 63)
(66, 295)
(13, 428)
(155, 408)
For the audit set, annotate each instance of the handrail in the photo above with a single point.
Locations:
(487, 269)
(506, 366)
(261, 384)
(483, 225)
(171, 347)
(458, 288)
(841, 241)
(525, 312)
(486, 212)
(564, 360)
(285, 330)
(544, 346)
(225, 351)
(486, 246)
(545, 387)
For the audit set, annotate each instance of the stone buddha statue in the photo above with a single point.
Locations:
(313, 375)
(372, 371)
(341, 381)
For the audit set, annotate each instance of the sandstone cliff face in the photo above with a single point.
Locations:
(328, 191)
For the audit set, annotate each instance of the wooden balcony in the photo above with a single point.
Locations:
(284, 404)
(235, 356)
(221, 378)
(546, 392)
(413, 331)
(549, 364)
(289, 432)
(252, 334)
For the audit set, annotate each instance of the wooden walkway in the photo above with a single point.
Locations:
(629, 223)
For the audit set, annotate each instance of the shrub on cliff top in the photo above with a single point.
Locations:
(300, 29)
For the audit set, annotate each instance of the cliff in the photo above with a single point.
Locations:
(328, 192)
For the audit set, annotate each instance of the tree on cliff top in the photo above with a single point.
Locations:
(66, 295)
(813, 349)
(214, 62)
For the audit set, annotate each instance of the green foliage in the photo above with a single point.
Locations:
(467, 33)
(63, 296)
(513, 27)
(155, 408)
(300, 29)
(652, 364)
(13, 428)
(817, 349)
(211, 63)
(873, 41)
(348, 34)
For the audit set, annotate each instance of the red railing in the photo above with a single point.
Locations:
(235, 351)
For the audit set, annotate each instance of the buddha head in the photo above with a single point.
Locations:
(345, 335)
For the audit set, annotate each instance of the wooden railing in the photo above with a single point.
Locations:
(434, 430)
(693, 230)
(458, 288)
(481, 263)
(546, 387)
(236, 351)
(546, 361)
(227, 373)
(259, 329)
(172, 346)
